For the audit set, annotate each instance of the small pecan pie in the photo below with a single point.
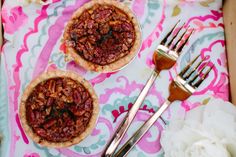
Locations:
(102, 36)
(58, 109)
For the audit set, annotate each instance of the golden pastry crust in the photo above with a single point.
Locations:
(118, 64)
(56, 74)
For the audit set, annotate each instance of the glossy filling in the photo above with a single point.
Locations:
(59, 109)
(102, 34)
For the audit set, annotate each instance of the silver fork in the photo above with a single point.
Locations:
(164, 57)
(181, 88)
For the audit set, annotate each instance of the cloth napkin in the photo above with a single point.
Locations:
(33, 45)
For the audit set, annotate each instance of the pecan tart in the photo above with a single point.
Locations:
(58, 109)
(102, 36)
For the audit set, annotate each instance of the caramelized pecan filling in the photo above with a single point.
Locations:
(59, 109)
(102, 34)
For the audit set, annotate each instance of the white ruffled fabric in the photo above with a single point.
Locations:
(206, 131)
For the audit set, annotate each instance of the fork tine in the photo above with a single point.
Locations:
(198, 73)
(173, 38)
(188, 66)
(198, 83)
(180, 39)
(185, 42)
(191, 82)
(194, 69)
(163, 42)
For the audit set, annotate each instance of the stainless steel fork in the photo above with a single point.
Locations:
(181, 88)
(164, 57)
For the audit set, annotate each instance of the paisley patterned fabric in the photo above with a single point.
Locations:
(33, 45)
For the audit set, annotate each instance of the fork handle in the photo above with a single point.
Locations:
(123, 127)
(141, 131)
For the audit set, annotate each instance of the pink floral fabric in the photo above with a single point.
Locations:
(33, 45)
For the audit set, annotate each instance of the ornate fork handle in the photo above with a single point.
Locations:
(142, 130)
(123, 127)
